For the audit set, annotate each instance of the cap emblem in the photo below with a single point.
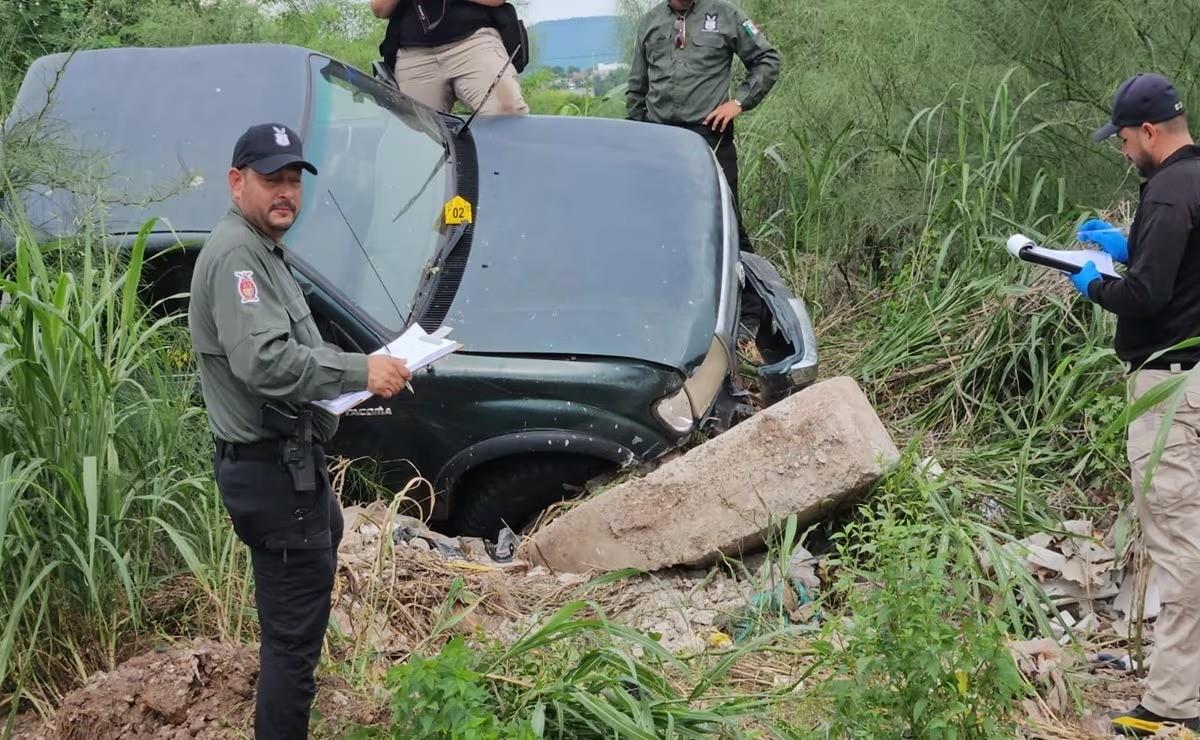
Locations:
(281, 137)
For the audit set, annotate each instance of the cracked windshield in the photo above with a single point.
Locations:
(384, 177)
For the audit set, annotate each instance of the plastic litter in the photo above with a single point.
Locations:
(788, 602)
(443, 546)
(505, 548)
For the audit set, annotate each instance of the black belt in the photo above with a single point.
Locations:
(267, 450)
(712, 138)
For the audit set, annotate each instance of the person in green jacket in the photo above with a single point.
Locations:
(262, 363)
(681, 74)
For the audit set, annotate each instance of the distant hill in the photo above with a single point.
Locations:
(576, 42)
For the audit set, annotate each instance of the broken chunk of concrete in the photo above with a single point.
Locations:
(805, 455)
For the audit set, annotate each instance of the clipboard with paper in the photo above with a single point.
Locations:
(1069, 261)
(417, 347)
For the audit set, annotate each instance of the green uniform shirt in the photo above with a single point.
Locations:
(254, 337)
(683, 85)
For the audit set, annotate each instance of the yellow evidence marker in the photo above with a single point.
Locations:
(457, 211)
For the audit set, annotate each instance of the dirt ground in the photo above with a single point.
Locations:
(204, 690)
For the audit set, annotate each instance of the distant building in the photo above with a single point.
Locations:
(606, 68)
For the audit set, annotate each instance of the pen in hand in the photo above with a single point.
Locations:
(407, 383)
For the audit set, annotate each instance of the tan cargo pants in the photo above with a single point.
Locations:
(1169, 512)
(465, 69)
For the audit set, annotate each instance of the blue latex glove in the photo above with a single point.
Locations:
(1106, 236)
(1085, 277)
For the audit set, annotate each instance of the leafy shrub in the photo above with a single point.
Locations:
(919, 654)
(445, 697)
(574, 677)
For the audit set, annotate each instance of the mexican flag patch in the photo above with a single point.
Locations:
(749, 27)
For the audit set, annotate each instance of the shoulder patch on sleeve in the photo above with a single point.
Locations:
(246, 287)
(749, 27)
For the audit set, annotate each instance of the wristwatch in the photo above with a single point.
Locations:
(738, 103)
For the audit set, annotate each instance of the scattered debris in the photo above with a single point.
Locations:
(720, 641)
(505, 548)
(448, 547)
(802, 566)
(1043, 662)
(1106, 595)
(1093, 588)
(684, 608)
(405, 587)
(805, 456)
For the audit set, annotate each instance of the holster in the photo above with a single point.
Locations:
(296, 432)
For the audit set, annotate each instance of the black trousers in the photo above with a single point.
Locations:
(293, 539)
(725, 148)
(752, 310)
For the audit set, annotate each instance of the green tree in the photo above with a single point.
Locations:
(344, 29)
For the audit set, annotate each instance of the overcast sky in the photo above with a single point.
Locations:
(545, 10)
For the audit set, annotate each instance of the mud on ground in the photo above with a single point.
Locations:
(202, 691)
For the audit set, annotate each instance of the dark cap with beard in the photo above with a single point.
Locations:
(269, 147)
(1143, 98)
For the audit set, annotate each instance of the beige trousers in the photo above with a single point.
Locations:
(1169, 512)
(465, 69)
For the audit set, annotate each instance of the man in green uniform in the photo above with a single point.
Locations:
(681, 72)
(262, 362)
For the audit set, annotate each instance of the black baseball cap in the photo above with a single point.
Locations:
(269, 147)
(1143, 98)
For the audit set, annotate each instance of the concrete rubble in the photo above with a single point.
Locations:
(805, 456)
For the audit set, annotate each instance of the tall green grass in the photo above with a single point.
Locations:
(997, 367)
(104, 483)
(998, 359)
(882, 176)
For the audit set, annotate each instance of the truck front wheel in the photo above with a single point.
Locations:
(512, 491)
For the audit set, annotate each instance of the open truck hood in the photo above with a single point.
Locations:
(595, 238)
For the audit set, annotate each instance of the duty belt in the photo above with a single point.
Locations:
(267, 450)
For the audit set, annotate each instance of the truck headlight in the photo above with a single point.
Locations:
(676, 412)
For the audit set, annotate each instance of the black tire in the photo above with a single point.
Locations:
(513, 491)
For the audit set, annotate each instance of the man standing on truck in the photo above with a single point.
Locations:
(1157, 305)
(446, 49)
(262, 362)
(682, 67)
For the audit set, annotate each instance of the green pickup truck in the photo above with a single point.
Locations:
(595, 287)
